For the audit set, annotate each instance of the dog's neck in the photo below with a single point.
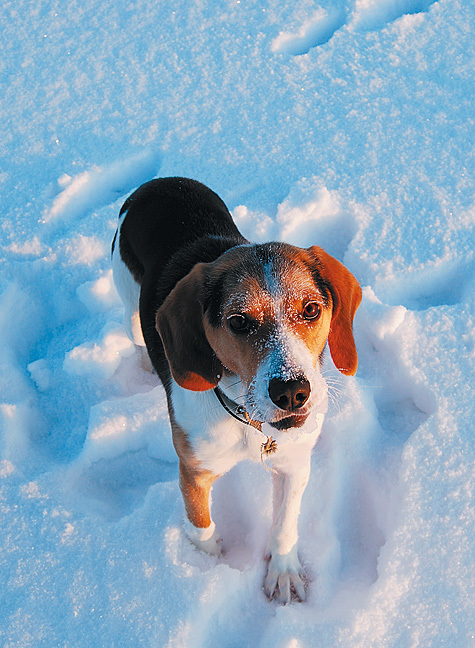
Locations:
(237, 411)
(269, 446)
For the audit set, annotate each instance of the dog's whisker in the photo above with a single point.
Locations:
(238, 382)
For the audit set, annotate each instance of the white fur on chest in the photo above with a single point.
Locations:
(219, 441)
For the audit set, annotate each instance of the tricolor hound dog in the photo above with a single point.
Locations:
(236, 333)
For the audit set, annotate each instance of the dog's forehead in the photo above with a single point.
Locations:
(255, 276)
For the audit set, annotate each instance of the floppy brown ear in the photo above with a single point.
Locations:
(346, 296)
(179, 322)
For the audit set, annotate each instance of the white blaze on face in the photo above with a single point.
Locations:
(286, 358)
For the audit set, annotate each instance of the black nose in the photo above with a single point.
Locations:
(289, 395)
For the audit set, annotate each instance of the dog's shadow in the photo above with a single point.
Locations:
(242, 510)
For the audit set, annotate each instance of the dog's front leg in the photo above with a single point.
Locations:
(195, 487)
(284, 572)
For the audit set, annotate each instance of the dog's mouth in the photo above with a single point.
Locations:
(293, 421)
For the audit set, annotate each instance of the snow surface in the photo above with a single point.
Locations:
(348, 124)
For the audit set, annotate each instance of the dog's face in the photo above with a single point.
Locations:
(267, 319)
(264, 313)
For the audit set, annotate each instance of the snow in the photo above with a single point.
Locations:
(346, 124)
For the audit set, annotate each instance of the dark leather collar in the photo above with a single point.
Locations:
(269, 446)
(235, 410)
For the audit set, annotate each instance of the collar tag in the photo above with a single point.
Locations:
(269, 446)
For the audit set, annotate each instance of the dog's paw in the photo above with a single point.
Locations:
(212, 546)
(284, 580)
(206, 540)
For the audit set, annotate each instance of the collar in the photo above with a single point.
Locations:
(240, 413)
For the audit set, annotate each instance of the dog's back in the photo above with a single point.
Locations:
(168, 216)
(166, 227)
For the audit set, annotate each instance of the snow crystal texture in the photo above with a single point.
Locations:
(347, 124)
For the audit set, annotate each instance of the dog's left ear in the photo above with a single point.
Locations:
(179, 322)
(346, 296)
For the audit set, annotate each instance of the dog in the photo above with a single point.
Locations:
(236, 333)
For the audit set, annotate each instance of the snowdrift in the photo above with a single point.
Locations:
(344, 124)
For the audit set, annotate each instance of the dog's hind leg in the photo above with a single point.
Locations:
(129, 292)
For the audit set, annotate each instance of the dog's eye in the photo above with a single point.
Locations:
(311, 310)
(238, 323)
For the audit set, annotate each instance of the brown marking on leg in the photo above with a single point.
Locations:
(195, 483)
(195, 487)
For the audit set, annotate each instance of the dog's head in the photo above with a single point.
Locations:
(262, 312)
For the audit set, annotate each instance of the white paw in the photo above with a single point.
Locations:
(212, 546)
(284, 579)
(206, 540)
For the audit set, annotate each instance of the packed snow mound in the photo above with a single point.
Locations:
(344, 124)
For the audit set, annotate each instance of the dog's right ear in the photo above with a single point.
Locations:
(179, 322)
